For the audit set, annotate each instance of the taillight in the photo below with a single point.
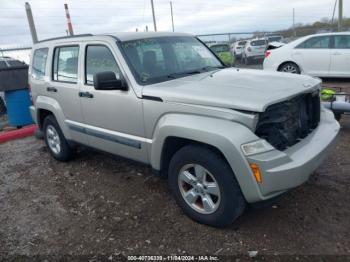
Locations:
(267, 53)
(30, 94)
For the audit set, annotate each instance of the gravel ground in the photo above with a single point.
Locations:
(103, 205)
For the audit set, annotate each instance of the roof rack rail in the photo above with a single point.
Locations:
(65, 37)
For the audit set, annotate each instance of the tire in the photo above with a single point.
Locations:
(290, 68)
(337, 116)
(55, 140)
(227, 201)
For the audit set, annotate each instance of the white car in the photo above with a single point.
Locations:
(323, 55)
(238, 48)
(254, 49)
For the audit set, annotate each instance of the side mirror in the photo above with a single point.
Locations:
(108, 81)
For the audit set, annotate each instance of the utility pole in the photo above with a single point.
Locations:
(69, 22)
(294, 32)
(172, 15)
(340, 16)
(154, 17)
(31, 22)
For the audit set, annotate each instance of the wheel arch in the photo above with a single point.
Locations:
(41, 115)
(225, 137)
(172, 144)
(48, 106)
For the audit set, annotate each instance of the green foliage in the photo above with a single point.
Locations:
(324, 25)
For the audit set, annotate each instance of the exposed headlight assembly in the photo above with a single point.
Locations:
(256, 147)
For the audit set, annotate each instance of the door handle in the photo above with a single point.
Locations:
(51, 89)
(86, 94)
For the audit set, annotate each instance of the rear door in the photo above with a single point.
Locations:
(340, 56)
(313, 55)
(64, 88)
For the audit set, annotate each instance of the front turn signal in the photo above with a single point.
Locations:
(256, 172)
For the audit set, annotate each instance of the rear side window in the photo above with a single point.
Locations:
(318, 42)
(65, 65)
(342, 41)
(39, 63)
(258, 43)
(99, 59)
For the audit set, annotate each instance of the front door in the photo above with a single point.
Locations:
(340, 56)
(112, 118)
(313, 55)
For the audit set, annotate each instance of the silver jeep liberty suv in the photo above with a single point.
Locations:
(223, 137)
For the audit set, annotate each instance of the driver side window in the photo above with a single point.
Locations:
(318, 42)
(99, 59)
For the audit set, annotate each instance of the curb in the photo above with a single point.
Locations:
(16, 134)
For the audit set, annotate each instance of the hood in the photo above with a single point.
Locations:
(242, 89)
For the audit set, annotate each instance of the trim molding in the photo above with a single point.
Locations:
(113, 136)
(153, 98)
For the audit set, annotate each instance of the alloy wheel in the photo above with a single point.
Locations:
(199, 188)
(290, 69)
(53, 139)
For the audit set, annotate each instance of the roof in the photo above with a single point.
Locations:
(122, 36)
(330, 33)
(128, 36)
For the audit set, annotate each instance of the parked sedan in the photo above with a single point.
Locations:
(323, 55)
(224, 53)
(253, 50)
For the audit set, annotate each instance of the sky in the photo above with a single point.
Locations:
(190, 16)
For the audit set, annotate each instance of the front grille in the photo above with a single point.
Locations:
(285, 124)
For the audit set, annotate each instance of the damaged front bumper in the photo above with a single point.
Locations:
(283, 170)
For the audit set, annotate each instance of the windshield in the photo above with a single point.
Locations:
(154, 60)
(220, 48)
(241, 43)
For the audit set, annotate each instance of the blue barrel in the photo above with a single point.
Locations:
(17, 103)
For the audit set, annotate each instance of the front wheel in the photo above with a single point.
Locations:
(205, 187)
(337, 116)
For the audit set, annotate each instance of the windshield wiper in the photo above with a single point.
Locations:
(194, 72)
(180, 74)
(206, 68)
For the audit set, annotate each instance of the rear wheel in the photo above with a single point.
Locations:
(55, 140)
(290, 68)
(205, 187)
